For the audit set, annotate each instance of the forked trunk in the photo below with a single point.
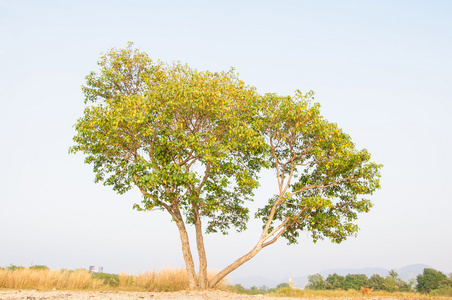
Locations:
(189, 264)
(265, 240)
(202, 276)
(236, 264)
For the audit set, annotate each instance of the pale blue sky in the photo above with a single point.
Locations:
(381, 70)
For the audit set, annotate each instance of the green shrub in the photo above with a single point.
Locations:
(283, 285)
(430, 280)
(13, 267)
(38, 267)
(315, 282)
(377, 282)
(109, 279)
(334, 282)
(445, 291)
(355, 281)
(239, 289)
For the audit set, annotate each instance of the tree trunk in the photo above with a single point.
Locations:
(236, 264)
(202, 279)
(259, 246)
(189, 264)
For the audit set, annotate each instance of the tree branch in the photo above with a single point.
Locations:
(281, 232)
(206, 175)
(319, 186)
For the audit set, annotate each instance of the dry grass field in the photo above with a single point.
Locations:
(168, 283)
(164, 280)
(24, 278)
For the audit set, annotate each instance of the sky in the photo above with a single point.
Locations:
(381, 70)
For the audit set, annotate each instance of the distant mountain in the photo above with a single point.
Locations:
(406, 273)
(411, 271)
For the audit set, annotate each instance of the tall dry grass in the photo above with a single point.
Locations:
(24, 278)
(164, 280)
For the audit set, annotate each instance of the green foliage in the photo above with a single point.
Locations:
(180, 135)
(377, 282)
(39, 267)
(108, 279)
(254, 290)
(13, 267)
(429, 280)
(193, 142)
(334, 282)
(283, 285)
(445, 291)
(321, 175)
(239, 289)
(390, 283)
(315, 282)
(279, 287)
(355, 281)
(157, 126)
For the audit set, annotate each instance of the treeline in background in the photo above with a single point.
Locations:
(430, 281)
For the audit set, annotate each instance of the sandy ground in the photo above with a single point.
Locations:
(190, 295)
(48, 295)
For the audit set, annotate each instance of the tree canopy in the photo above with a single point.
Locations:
(193, 142)
(390, 283)
(429, 280)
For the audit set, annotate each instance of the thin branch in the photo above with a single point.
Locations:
(194, 159)
(187, 159)
(283, 224)
(274, 239)
(206, 175)
(271, 216)
(319, 186)
(276, 162)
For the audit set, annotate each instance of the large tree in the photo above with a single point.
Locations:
(429, 280)
(193, 142)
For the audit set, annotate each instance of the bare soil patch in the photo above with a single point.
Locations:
(6, 294)
(111, 295)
